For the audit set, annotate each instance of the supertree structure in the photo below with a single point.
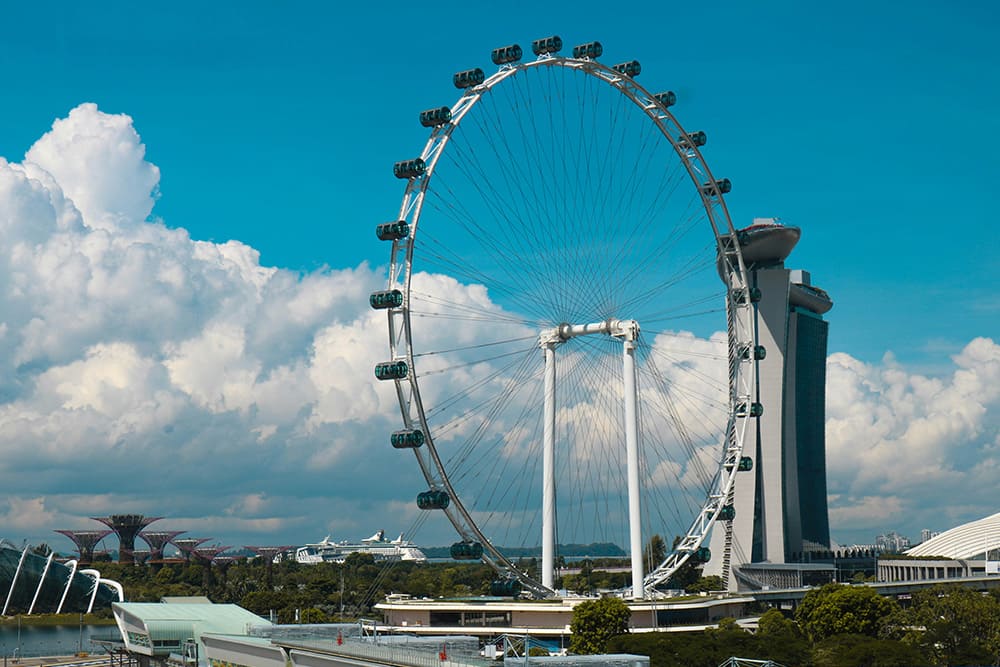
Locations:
(126, 527)
(158, 541)
(85, 541)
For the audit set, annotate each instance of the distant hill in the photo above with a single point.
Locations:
(594, 550)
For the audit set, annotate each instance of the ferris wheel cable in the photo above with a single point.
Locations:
(680, 272)
(499, 253)
(496, 405)
(700, 300)
(468, 364)
(675, 421)
(513, 285)
(603, 459)
(714, 399)
(449, 401)
(478, 346)
(482, 182)
(429, 300)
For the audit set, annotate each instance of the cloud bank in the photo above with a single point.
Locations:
(145, 371)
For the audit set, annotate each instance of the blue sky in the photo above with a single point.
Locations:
(872, 126)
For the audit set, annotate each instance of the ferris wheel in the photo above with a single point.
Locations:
(571, 327)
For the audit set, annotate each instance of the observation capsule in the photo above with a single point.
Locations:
(758, 351)
(740, 296)
(589, 50)
(746, 464)
(384, 299)
(630, 69)
(727, 513)
(667, 99)
(702, 555)
(409, 168)
(468, 78)
(434, 499)
(506, 54)
(505, 588)
(392, 231)
(692, 139)
(407, 438)
(391, 370)
(753, 410)
(435, 117)
(713, 189)
(466, 551)
(551, 44)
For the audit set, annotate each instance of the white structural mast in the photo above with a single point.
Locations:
(628, 332)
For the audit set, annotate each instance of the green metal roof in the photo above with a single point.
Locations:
(175, 622)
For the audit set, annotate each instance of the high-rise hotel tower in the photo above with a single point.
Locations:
(781, 506)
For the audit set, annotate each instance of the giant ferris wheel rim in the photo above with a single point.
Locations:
(401, 274)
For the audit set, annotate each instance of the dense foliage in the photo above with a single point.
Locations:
(597, 621)
(321, 592)
(844, 626)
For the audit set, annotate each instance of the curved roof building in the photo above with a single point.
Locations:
(33, 584)
(961, 542)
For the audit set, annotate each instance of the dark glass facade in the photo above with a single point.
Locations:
(810, 421)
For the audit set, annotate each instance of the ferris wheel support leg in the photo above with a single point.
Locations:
(548, 467)
(632, 453)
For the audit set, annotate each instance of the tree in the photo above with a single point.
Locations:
(954, 625)
(712, 582)
(838, 609)
(654, 553)
(594, 622)
(862, 651)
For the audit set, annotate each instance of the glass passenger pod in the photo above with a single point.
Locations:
(392, 231)
(505, 55)
(435, 117)
(692, 139)
(727, 513)
(386, 299)
(391, 370)
(720, 187)
(630, 69)
(410, 438)
(590, 50)
(546, 45)
(505, 588)
(759, 351)
(409, 168)
(740, 296)
(466, 551)
(702, 555)
(667, 99)
(435, 499)
(468, 78)
(746, 464)
(753, 410)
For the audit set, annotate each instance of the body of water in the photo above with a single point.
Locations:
(51, 640)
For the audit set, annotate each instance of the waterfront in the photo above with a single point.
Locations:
(51, 639)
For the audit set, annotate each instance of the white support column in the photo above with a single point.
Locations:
(548, 466)
(630, 388)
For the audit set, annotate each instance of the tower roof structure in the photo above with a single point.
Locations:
(126, 527)
(85, 541)
(187, 545)
(268, 553)
(208, 554)
(158, 540)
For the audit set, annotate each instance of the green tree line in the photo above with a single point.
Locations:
(837, 626)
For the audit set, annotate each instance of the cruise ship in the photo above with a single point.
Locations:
(382, 549)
